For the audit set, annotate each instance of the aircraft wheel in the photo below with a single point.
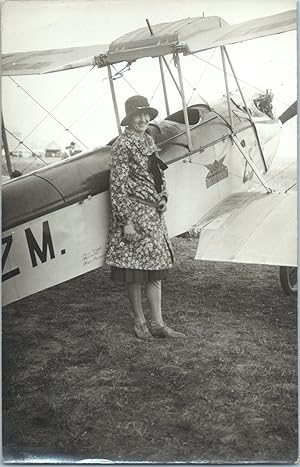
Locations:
(288, 279)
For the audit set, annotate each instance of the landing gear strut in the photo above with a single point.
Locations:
(288, 279)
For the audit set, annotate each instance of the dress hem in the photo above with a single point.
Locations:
(137, 275)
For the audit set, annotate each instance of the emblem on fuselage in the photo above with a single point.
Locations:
(217, 172)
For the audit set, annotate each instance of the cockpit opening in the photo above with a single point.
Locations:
(194, 115)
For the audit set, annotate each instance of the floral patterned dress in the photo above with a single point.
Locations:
(134, 198)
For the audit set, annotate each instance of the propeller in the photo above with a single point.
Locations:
(290, 112)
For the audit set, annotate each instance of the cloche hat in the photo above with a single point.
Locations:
(136, 104)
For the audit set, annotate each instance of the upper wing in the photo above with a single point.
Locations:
(48, 61)
(194, 35)
(188, 35)
(260, 27)
(257, 228)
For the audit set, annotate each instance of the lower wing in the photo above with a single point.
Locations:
(257, 228)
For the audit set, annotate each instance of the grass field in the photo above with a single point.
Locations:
(76, 381)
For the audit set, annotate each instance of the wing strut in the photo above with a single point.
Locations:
(226, 85)
(247, 109)
(163, 81)
(6, 149)
(234, 138)
(113, 95)
(185, 114)
(251, 164)
(171, 74)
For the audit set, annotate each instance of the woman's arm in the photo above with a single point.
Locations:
(162, 207)
(164, 193)
(119, 173)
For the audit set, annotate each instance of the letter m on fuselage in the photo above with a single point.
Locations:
(34, 248)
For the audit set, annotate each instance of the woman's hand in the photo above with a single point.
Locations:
(129, 232)
(162, 207)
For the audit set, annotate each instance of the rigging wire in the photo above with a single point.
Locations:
(25, 169)
(268, 180)
(202, 74)
(192, 86)
(159, 83)
(126, 68)
(4, 168)
(85, 111)
(195, 90)
(240, 80)
(228, 73)
(229, 173)
(279, 173)
(119, 73)
(40, 105)
(56, 105)
(29, 149)
(155, 91)
(292, 186)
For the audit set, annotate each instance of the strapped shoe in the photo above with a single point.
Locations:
(165, 331)
(142, 332)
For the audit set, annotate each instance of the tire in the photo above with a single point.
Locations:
(288, 279)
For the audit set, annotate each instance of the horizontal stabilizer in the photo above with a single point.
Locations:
(258, 228)
(49, 61)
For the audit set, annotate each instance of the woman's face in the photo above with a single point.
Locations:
(139, 122)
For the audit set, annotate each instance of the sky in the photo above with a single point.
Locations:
(87, 111)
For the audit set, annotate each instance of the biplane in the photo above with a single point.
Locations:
(55, 219)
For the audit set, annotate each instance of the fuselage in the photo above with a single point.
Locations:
(55, 220)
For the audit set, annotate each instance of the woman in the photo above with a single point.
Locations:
(139, 250)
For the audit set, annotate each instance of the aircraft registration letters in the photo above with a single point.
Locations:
(54, 248)
(34, 250)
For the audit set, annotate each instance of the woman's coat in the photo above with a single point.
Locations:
(130, 178)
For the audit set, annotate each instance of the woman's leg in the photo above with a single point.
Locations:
(153, 292)
(158, 328)
(135, 298)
